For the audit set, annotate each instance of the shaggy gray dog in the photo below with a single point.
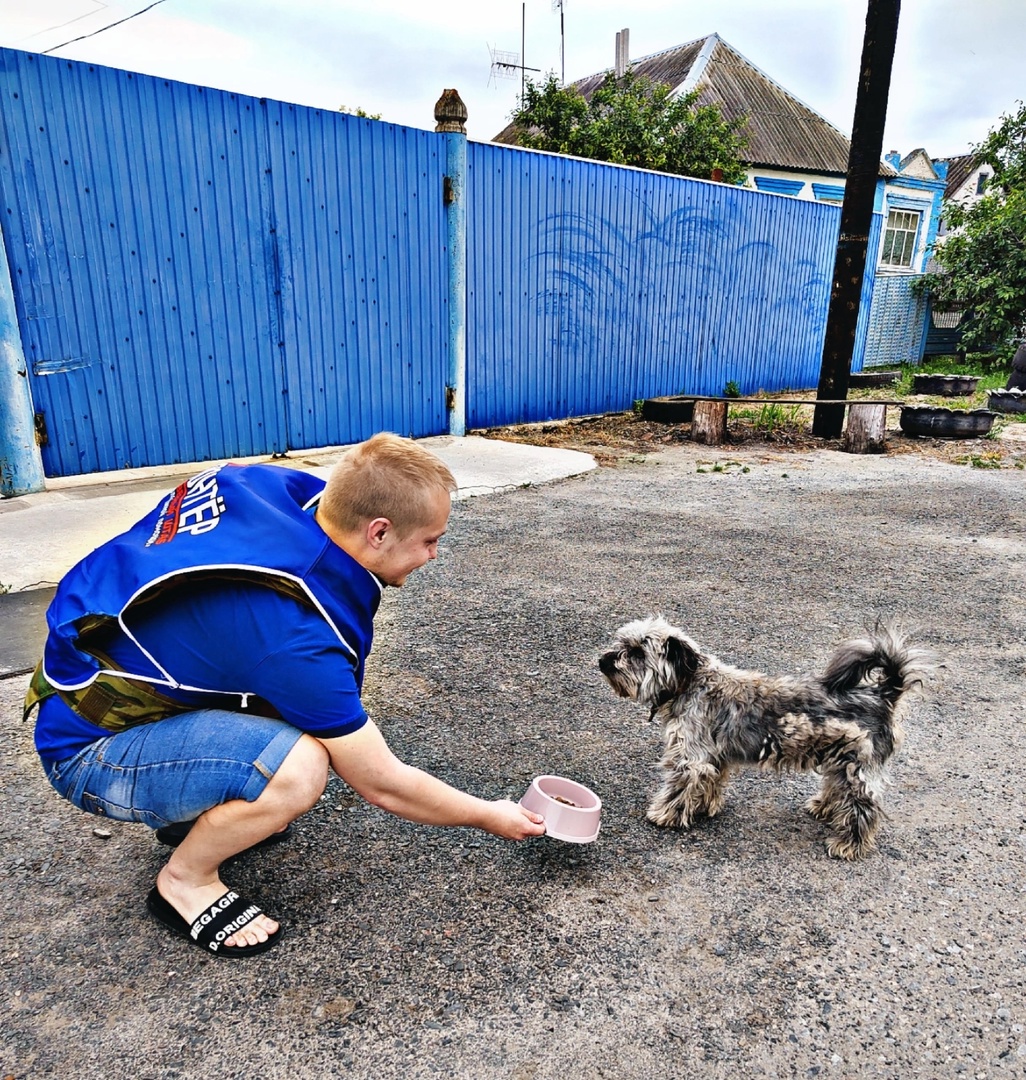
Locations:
(844, 724)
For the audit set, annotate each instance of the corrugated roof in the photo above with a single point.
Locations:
(783, 132)
(960, 168)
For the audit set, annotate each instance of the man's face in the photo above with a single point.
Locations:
(398, 558)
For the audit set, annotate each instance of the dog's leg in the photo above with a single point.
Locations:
(826, 802)
(856, 817)
(690, 789)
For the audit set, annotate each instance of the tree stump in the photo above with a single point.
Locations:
(709, 422)
(866, 430)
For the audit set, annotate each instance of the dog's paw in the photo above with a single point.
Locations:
(845, 848)
(666, 816)
(819, 808)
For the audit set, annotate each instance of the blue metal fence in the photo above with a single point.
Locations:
(593, 285)
(202, 274)
(199, 274)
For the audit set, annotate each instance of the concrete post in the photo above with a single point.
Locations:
(21, 465)
(451, 119)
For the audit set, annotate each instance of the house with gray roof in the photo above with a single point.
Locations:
(792, 149)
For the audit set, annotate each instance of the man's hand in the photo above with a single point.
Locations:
(369, 767)
(513, 822)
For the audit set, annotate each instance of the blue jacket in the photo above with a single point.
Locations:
(227, 521)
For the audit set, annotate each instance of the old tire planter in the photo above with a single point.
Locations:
(862, 379)
(1017, 380)
(945, 385)
(1007, 401)
(675, 409)
(937, 422)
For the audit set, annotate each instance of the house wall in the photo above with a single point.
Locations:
(969, 190)
(816, 187)
(967, 193)
(922, 194)
(924, 197)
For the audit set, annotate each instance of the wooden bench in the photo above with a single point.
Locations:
(863, 434)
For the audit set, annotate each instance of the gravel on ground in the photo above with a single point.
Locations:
(736, 949)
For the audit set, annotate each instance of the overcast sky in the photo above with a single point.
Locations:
(959, 64)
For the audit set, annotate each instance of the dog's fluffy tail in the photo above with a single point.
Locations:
(887, 650)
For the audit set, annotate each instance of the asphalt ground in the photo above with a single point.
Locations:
(736, 949)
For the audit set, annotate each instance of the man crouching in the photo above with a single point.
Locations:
(202, 671)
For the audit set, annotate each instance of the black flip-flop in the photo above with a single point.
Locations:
(223, 918)
(173, 835)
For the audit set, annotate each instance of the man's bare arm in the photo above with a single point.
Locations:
(364, 760)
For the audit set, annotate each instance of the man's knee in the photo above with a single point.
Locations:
(303, 775)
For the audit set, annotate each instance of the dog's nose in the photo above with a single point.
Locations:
(607, 663)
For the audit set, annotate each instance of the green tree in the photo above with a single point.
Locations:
(632, 121)
(983, 258)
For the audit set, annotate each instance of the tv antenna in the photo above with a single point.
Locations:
(560, 6)
(505, 65)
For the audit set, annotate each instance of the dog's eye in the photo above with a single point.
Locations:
(635, 653)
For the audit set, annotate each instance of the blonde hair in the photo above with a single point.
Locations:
(388, 477)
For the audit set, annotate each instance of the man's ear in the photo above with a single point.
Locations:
(376, 531)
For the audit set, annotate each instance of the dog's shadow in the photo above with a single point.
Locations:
(763, 817)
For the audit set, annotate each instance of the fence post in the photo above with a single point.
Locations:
(21, 465)
(451, 118)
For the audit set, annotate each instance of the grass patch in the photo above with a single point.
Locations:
(721, 467)
(989, 460)
(774, 420)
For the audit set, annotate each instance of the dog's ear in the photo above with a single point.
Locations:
(682, 660)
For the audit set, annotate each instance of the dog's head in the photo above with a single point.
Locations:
(650, 661)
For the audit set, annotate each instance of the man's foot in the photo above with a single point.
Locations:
(214, 918)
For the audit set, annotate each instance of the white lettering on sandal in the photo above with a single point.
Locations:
(226, 901)
(247, 916)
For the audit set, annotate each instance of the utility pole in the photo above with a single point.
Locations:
(856, 212)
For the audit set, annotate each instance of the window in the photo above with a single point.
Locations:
(981, 183)
(900, 238)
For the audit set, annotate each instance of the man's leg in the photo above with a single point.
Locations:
(190, 880)
(240, 776)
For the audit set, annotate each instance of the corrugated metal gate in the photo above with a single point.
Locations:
(898, 324)
(202, 274)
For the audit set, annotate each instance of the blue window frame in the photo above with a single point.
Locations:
(776, 185)
(828, 192)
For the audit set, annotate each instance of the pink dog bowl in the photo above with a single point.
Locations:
(571, 811)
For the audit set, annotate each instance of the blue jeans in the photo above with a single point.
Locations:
(175, 769)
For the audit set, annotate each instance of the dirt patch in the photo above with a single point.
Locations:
(614, 437)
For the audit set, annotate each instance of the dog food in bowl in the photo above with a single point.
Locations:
(571, 811)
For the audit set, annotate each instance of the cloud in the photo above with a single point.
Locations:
(956, 66)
